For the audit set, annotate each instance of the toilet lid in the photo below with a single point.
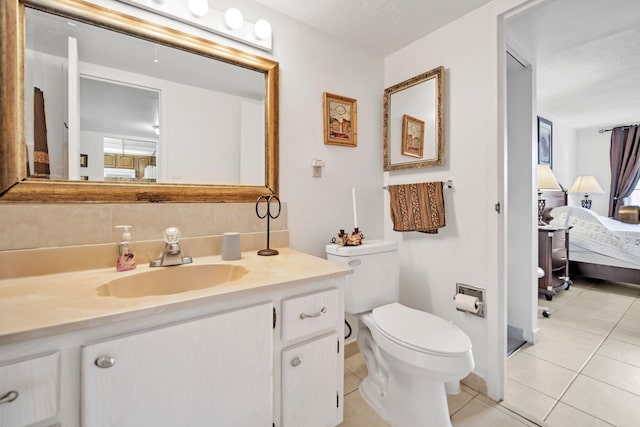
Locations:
(420, 331)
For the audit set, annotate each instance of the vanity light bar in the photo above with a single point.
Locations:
(198, 14)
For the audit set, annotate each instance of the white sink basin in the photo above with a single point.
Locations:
(171, 280)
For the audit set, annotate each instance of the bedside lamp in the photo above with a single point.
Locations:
(546, 181)
(586, 185)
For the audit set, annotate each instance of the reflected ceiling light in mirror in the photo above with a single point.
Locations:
(233, 18)
(229, 24)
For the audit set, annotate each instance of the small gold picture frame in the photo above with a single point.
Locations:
(412, 136)
(340, 120)
(84, 160)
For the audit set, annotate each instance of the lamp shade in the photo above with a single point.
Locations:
(586, 185)
(546, 178)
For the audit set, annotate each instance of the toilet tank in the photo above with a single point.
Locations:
(374, 281)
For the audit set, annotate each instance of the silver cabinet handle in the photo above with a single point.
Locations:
(322, 311)
(296, 362)
(9, 397)
(105, 362)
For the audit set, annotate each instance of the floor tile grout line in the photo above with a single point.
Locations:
(610, 385)
(534, 389)
(580, 410)
(527, 417)
(589, 359)
(605, 337)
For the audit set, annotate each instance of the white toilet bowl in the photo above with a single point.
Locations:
(410, 356)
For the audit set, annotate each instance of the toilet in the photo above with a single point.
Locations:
(413, 358)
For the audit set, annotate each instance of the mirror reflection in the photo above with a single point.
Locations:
(413, 128)
(103, 106)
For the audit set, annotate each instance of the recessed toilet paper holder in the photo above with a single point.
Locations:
(472, 291)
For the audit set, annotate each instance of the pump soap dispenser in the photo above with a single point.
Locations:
(126, 258)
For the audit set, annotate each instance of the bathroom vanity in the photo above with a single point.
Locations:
(264, 348)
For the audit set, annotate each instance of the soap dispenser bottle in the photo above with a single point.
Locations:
(126, 257)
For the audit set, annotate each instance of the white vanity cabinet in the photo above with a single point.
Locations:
(29, 390)
(261, 355)
(211, 371)
(312, 362)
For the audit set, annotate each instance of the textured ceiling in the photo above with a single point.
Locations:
(383, 26)
(587, 51)
(587, 59)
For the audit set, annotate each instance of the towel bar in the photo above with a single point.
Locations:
(447, 184)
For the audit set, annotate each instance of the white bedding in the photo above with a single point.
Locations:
(599, 234)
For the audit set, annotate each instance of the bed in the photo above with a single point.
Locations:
(600, 247)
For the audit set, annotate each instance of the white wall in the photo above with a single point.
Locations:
(466, 250)
(199, 127)
(310, 64)
(592, 158)
(252, 160)
(522, 235)
(92, 144)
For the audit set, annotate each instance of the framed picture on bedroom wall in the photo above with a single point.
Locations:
(545, 142)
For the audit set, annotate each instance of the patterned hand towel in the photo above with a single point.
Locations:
(40, 147)
(417, 207)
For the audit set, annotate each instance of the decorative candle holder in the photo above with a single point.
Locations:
(345, 239)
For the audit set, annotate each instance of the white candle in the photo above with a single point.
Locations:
(355, 215)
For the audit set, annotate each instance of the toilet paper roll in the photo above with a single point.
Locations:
(467, 303)
(231, 246)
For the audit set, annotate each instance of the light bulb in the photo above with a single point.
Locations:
(199, 8)
(262, 29)
(233, 18)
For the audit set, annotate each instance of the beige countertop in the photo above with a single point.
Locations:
(37, 306)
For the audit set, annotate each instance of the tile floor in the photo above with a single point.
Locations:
(467, 409)
(585, 371)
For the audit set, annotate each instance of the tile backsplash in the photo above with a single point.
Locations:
(30, 226)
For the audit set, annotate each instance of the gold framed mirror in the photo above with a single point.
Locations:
(17, 181)
(413, 122)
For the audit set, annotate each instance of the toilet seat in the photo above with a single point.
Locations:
(420, 331)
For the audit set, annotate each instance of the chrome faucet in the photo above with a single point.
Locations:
(172, 254)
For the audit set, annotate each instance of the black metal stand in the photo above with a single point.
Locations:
(268, 251)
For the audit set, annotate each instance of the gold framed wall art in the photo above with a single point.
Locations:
(340, 120)
(412, 136)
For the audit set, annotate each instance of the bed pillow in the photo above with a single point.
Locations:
(561, 215)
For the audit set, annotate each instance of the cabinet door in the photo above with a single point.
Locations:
(124, 161)
(29, 390)
(211, 371)
(310, 383)
(109, 160)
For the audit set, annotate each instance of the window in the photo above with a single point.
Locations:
(634, 198)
